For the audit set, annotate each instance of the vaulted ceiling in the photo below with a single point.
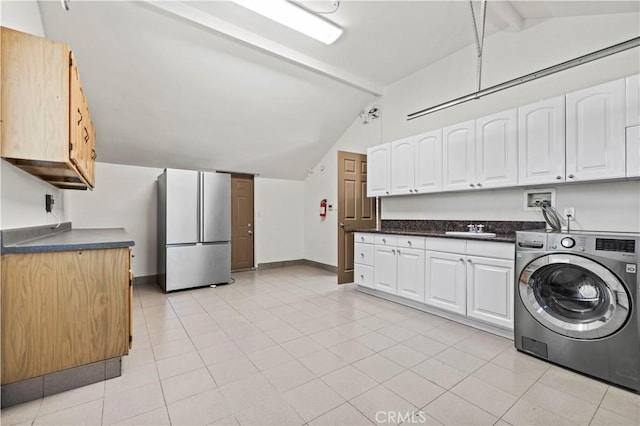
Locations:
(169, 92)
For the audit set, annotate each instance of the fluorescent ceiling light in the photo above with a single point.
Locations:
(294, 17)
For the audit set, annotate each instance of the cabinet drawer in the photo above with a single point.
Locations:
(363, 238)
(411, 242)
(385, 240)
(446, 245)
(363, 254)
(363, 275)
(487, 249)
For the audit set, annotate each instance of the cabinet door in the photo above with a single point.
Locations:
(497, 150)
(633, 151)
(385, 277)
(81, 136)
(541, 142)
(445, 281)
(411, 273)
(490, 287)
(459, 156)
(633, 100)
(378, 170)
(595, 132)
(428, 162)
(402, 162)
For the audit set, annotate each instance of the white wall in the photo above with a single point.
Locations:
(279, 216)
(21, 194)
(507, 55)
(321, 234)
(124, 197)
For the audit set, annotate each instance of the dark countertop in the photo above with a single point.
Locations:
(505, 230)
(499, 238)
(48, 239)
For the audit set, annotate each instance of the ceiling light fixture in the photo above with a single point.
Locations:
(295, 17)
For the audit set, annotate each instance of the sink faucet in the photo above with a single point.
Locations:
(476, 228)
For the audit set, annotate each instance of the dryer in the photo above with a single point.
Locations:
(576, 303)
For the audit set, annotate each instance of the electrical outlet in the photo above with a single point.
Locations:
(570, 211)
(48, 203)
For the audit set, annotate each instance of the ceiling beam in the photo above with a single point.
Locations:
(270, 47)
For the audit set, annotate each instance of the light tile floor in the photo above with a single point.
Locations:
(288, 346)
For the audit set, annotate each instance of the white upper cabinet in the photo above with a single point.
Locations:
(497, 150)
(541, 143)
(459, 156)
(596, 132)
(633, 100)
(633, 151)
(378, 170)
(402, 153)
(428, 162)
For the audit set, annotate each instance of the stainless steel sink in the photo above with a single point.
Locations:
(471, 234)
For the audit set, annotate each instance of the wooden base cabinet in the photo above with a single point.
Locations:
(63, 309)
(46, 128)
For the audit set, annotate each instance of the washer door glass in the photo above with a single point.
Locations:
(574, 296)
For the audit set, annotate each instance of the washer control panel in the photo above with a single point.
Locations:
(567, 242)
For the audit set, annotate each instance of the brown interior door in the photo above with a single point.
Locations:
(242, 225)
(355, 210)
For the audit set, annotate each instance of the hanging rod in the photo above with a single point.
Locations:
(598, 54)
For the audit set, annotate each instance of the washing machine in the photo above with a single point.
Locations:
(576, 303)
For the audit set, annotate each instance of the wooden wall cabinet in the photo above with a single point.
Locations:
(46, 125)
(63, 309)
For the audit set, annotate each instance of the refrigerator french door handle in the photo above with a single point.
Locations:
(200, 207)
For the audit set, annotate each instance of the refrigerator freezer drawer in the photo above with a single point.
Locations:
(198, 265)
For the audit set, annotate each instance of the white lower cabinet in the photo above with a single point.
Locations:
(410, 275)
(469, 278)
(490, 292)
(446, 284)
(385, 269)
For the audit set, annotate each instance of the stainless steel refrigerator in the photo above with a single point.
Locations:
(194, 229)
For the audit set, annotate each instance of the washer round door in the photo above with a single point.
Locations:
(574, 296)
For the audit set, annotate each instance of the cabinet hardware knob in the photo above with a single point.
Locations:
(469, 260)
(479, 184)
(393, 251)
(409, 242)
(362, 255)
(415, 190)
(462, 259)
(387, 192)
(472, 185)
(558, 177)
(570, 176)
(384, 240)
(361, 276)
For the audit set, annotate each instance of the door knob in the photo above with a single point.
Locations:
(341, 225)
(250, 232)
